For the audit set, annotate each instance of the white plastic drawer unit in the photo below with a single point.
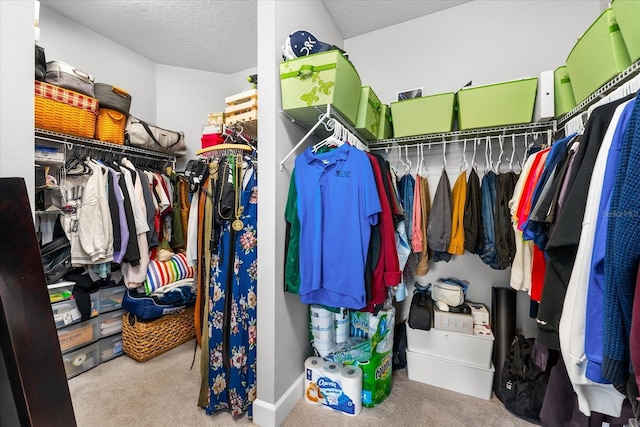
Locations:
(475, 350)
(111, 298)
(110, 323)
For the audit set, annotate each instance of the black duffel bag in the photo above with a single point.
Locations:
(523, 384)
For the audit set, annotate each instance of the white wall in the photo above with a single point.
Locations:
(238, 81)
(283, 341)
(481, 41)
(16, 96)
(185, 97)
(109, 62)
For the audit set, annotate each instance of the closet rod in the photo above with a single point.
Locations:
(483, 138)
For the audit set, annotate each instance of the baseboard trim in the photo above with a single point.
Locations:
(270, 415)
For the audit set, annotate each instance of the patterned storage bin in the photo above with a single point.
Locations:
(369, 110)
(385, 130)
(64, 111)
(321, 79)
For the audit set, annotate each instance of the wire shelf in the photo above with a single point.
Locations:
(307, 117)
(456, 136)
(604, 90)
(59, 138)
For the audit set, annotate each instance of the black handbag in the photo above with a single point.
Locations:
(523, 384)
(421, 310)
(41, 63)
(56, 259)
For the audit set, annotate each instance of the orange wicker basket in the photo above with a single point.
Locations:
(64, 111)
(110, 126)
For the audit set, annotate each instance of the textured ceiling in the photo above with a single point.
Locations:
(216, 35)
(356, 17)
(219, 35)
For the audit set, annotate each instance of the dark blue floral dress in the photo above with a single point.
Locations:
(232, 313)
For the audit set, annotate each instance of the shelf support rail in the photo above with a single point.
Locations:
(321, 119)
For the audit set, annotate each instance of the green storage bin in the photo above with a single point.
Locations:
(498, 104)
(368, 119)
(564, 101)
(320, 79)
(424, 115)
(599, 55)
(385, 130)
(628, 16)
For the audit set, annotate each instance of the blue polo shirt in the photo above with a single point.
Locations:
(338, 202)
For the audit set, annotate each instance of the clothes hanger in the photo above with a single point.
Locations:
(500, 154)
(474, 165)
(444, 155)
(464, 157)
(333, 140)
(487, 143)
(421, 162)
(514, 154)
(406, 154)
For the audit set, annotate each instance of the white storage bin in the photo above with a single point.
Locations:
(111, 298)
(110, 323)
(60, 291)
(475, 350)
(110, 348)
(65, 313)
(450, 375)
(81, 360)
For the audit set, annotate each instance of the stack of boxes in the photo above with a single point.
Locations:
(85, 344)
(455, 353)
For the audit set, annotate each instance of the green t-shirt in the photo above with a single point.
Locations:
(292, 255)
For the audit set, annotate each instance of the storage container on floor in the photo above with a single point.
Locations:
(628, 16)
(424, 115)
(110, 323)
(81, 360)
(473, 350)
(111, 298)
(498, 104)
(385, 129)
(564, 99)
(65, 313)
(320, 79)
(369, 111)
(599, 55)
(78, 335)
(450, 375)
(110, 348)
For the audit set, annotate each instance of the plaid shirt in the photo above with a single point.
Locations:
(72, 98)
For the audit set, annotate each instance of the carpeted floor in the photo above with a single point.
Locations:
(163, 392)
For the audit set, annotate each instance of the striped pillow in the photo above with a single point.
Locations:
(161, 273)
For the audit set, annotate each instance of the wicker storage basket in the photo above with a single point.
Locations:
(145, 340)
(64, 111)
(110, 126)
